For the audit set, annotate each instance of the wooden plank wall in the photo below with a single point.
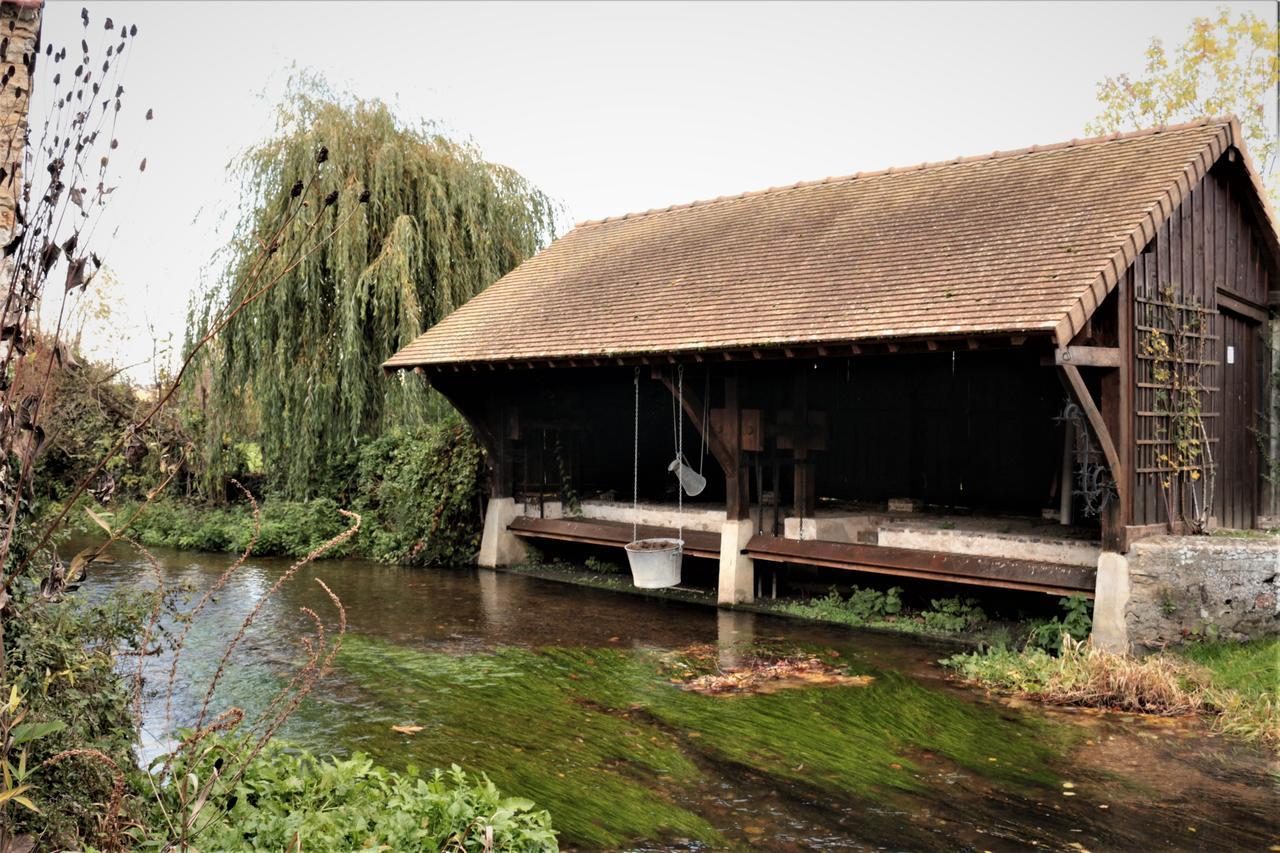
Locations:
(1207, 246)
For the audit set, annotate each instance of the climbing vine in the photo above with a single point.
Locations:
(440, 224)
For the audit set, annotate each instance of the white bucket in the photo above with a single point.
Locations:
(655, 563)
(690, 480)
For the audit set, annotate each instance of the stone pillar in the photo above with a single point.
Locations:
(499, 546)
(1111, 596)
(737, 570)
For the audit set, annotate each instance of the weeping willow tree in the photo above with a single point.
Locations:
(421, 224)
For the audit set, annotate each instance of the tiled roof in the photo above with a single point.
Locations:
(1018, 242)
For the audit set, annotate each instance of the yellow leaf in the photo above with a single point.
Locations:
(99, 520)
(10, 793)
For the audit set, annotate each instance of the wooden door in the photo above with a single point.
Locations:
(1237, 483)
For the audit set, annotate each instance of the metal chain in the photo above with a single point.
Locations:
(680, 457)
(635, 464)
(706, 423)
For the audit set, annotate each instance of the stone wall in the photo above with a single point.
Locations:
(1181, 587)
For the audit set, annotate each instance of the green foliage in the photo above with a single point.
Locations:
(63, 662)
(861, 607)
(877, 608)
(349, 804)
(953, 614)
(1225, 66)
(1252, 668)
(289, 528)
(89, 406)
(301, 361)
(420, 493)
(1076, 621)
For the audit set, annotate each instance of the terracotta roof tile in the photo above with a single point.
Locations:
(1023, 241)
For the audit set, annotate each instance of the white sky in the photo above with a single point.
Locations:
(607, 107)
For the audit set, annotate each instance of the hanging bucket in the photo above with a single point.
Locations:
(655, 563)
(690, 480)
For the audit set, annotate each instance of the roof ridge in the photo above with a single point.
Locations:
(919, 167)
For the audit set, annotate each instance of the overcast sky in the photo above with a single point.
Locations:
(607, 107)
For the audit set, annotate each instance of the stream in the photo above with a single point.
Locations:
(572, 697)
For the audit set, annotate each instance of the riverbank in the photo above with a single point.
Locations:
(1234, 685)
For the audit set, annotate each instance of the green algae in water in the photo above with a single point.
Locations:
(617, 753)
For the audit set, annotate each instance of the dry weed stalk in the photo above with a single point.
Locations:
(225, 762)
(213, 590)
(1085, 675)
(110, 821)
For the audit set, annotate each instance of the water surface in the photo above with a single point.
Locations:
(569, 696)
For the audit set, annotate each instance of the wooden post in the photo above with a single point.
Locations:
(1112, 515)
(736, 495)
(806, 489)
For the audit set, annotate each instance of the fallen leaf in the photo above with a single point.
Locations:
(407, 730)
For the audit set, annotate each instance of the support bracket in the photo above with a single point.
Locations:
(1099, 426)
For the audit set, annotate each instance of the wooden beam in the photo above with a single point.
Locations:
(692, 403)
(1125, 416)
(1087, 356)
(1002, 572)
(1100, 431)
(1236, 305)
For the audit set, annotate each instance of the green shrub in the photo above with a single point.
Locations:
(862, 607)
(289, 528)
(419, 491)
(349, 804)
(1076, 621)
(953, 614)
(60, 660)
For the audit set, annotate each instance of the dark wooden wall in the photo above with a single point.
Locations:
(972, 429)
(1207, 255)
(964, 429)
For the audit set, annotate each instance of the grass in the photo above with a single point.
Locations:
(1234, 683)
(1243, 683)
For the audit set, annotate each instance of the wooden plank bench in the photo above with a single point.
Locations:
(1002, 572)
(1006, 573)
(697, 543)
